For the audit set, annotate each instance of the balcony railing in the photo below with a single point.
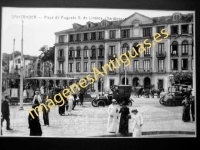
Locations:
(93, 57)
(136, 70)
(100, 56)
(61, 58)
(78, 57)
(163, 54)
(60, 73)
(174, 55)
(184, 68)
(161, 70)
(112, 56)
(112, 72)
(147, 55)
(70, 57)
(184, 54)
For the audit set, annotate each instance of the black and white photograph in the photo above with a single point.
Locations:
(97, 73)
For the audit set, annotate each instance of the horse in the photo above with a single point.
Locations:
(157, 91)
(138, 91)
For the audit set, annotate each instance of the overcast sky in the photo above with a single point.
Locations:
(40, 31)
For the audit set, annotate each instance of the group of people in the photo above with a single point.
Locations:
(188, 105)
(118, 120)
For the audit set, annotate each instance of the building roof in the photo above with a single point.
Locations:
(116, 24)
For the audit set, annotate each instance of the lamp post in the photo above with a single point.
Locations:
(171, 76)
(101, 86)
(125, 73)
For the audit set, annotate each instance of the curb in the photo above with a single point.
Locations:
(150, 133)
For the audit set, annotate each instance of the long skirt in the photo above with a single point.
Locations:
(112, 124)
(186, 113)
(61, 109)
(123, 125)
(46, 118)
(137, 131)
(70, 106)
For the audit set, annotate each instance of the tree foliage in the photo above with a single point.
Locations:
(47, 53)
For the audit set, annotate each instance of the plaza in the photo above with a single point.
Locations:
(88, 121)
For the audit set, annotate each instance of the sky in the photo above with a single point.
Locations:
(42, 23)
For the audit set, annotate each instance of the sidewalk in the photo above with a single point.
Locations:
(88, 121)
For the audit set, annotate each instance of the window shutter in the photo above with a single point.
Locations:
(103, 34)
(97, 35)
(114, 50)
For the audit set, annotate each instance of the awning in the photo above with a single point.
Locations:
(52, 78)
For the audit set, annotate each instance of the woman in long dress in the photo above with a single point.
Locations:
(137, 123)
(186, 110)
(124, 119)
(70, 104)
(113, 113)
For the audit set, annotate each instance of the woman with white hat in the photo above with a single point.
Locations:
(113, 117)
(37, 98)
(137, 123)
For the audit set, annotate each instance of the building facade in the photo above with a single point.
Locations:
(79, 49)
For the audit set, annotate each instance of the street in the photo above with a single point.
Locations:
(88, 121)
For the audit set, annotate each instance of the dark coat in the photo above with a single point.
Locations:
(5, 108)
(34, 125)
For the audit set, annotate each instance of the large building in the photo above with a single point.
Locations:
(79, 49)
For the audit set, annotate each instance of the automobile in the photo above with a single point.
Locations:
(119, 92)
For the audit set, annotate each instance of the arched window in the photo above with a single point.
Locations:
(174, 48)
(85, 52)
(78, 52)
(125, 48)
(101, 51)
(147, 51)
(71, 50)
(184, 48)
(93, 52)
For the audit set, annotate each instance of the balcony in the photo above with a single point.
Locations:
(111, 56)
(111, 72)
(147, 55)
(71, 58)
(61, 58)
(184, 68)
(78, 57)
(161, 55)
(174, 55)
(93, 57)
(85, 57)
(71, 40)
(136, 70)
(60, 73)
(184, 54)
(100, 57)
(163, 70)
(100, 38)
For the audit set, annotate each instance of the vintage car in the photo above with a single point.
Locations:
(119, 92)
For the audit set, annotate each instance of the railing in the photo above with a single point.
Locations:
(61, 58)
(163, 54)
(111, 72)
(70, 57)
(184, 68)
(163, 70)
(112, 56)
(147, 55)
(78, 57)
(136, 70)
(184, 54)
(174, 55)
(100, 56)
(60, 73)
(93, 57)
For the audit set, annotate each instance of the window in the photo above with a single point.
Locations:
(85, 67)
(71, 53)
(146, 65)
(93, 52)
(19, 61)
(86, 36)
(112, 34)
(147, 52)
(101, 35)
(92, 65)
(61, 38)
(184, 48)
(78, 37)
(112, 51)
(160, 48)
(176, 17)
(136, 65)
(159, 28)
(60, 53)
(16, 67)
(93, 36)
(78, 66)
(125, 33)
(174, 48)
(125, 48)
(184, 29)
(78, 52)
(70, 67)
(174, 64)
(112, 82)
(60, 67)
(160, 65)
(147, 31)
(71, 38)
(184, 64)
(136, 49)
(85, 52)
(101, 51)
(100, 64)
(174, 29)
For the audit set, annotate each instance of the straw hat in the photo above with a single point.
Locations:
(114, 100)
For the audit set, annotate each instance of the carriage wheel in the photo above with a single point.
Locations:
(161, 101)
(130, 103)
(101, 103)
(94, 103)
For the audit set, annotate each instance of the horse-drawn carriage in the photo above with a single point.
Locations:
(119, 92)
(174, 97)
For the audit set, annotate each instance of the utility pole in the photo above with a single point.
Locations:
(22, 73)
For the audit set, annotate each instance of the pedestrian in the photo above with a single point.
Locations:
(192, 108)
(45, 112)
(37, 99)
(186, 110)
(61, 109)
(70, 104)
(81, 96)
(74, 102)
(5, 112)
(34, 123)
(137, 123)
(113, 113)
(124, 119)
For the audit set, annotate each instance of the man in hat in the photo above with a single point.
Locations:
(5, 112)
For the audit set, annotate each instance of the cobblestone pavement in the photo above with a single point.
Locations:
(88, 121)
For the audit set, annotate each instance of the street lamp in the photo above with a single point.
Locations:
(171, 76)
(101, 86)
